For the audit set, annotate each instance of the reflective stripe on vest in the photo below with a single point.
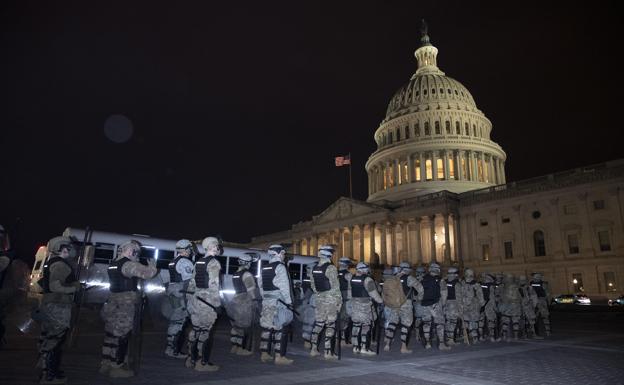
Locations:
(119, 283)
(321, 282)
(357, 287)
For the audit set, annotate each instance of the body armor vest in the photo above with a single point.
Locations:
(237, 281)
(174, 276)
(268, 273)
(539, 289)
(45, 281)
(321, 282)
(450, 288)
(485, 288)
(202, 276)
(431, 285)
(357, 287)
(119, 282)
(344, 285)
(521, 289)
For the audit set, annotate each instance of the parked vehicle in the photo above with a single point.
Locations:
(571, 299)
(619, 301)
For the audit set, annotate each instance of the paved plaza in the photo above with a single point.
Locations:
(586, 348)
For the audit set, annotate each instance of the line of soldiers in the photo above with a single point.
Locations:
(339, 306)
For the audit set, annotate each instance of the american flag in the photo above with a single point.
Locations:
(343, 160)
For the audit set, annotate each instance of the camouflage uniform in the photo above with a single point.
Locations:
(362, 291)
(432, 305)
(543, 299)
(510, 307)
(59, 285)
(529, 302)
(306, 311)
(344, 277)
(180, 273)
(498, 292)
(328, 303)
(472, 301)
(488, 311)
(453, 307)
(277, 300)
(418, 309)
(242, 309)
(404, 315)
(119, 310)
(203, 301)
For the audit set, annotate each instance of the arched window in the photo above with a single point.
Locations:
(407, 132)
(383, 140)
(390, 137)
(437, 128)
(427, 129)
(474, 129)
(467, 129)
(539, 244)
(448, 127)
(457, 128)
(417, 129)
(398, 134)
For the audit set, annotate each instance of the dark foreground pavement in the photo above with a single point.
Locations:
(587, 347)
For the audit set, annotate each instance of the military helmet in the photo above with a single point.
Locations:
(405, 267)
(452, 271)
(132, 244)
(468, 274)
(56, 244)
(326, 251)
(420, 270)
(434, 268)
(183, 244)
(537, 276)
(344, 261)
(275, 250)
(362, 267)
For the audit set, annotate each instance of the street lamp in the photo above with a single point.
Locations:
(574, 281)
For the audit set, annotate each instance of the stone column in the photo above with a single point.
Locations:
(492, 170)
(458, 170)
(475, 165)
(405, 242)
(370, 182)
(362, 227)
(456, 248)
(388, 172)
(446, 166)
(423, 168)
(447, 240)
(417, 244)
(383, 256)
(372, 242)
(410, 168)
(352, 240)
(434, 165)
(393, 244)
(433, 242)
(341, 241)
(396, 171)
(504, 178)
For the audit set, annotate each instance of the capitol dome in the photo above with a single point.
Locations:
(433, 138)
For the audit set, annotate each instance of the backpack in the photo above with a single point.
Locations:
(393, 295)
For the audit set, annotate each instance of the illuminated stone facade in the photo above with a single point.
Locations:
(437, 192)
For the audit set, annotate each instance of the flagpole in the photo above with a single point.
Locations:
(350, 182)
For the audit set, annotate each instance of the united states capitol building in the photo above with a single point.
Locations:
(437, 192)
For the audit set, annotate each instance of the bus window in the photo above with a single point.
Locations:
(164, 257)
(305, 275)
(146, 253)
(38, 265)
(295, 271)
(254, 268)
(103, 253)
(223, 261)
(233, 265)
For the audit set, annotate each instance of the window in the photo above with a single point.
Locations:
(441, 90)
(407, 132)
(433, 91)
(440, 167)
(417, 129)
(232, 265)
(573, 243)
(485, 250)
(451, 169)
(295, 271)
(539, 244)
(425, 92)
(390, 137)
(448, 127)
(536, 214)
(448, 90)
(603, 240)
(508, 249)
(577, 281)
(466, 128)
(457, 128)
(417, 169)
(38, 265)
(569, 209)
(404, 173)
(483, 222)
(428, 169)
(599, 205)
(505, 220)
(417, 92)
(609, 279)
(427, 129)
(103, 253)
(474, 129)
(437, 128)
(398, 134)
(383, 140)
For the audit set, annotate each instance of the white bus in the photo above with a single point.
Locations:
(102, 247)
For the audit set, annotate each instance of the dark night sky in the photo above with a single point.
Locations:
(239, 109)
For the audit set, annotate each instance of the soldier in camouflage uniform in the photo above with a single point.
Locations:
(403, 316)
(180, 273)
(543, 299)
(118, 311)
(453, 306)
(59, 284)
(242, 308)
(510, 307)
(361, 292)
(418, 310)
(498, 292)
(277, 302)
(433, 302)
(203, 303)
(328, 301)
(307, 309)
(529, 302)
(472, 301)
(487, 313)
(344, 277)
